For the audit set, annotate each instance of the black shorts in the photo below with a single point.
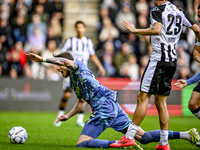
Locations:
(68, 89)
(197, 87)
(157, 77)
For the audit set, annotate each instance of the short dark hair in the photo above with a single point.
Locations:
(66, 55)
(199, 7)
(79, 22)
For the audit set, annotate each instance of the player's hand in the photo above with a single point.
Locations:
(129, 26)
(181, 83)
(62, 118)
(34, 57)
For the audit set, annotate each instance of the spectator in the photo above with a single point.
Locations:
(104, 12)
(112, 7)
(6, 33)
(142, 7)
(36, 23)
(124, 14)
(56, 26)
(22, 55)
(37, 41)
(45, 17)
(108, 57)
(57, 10)
(4, 51)
(122, 56)
(52, 36)
(107, 30)
(4, 11)
(19, 29)
(51, 49)
(130, 69)
(14, 66)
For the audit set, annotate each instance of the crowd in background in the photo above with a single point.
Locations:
(37, 25)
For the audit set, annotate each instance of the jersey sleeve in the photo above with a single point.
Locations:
(67, 45)
(156, 16)
(186, 20)
(90, 47)
(193, 79)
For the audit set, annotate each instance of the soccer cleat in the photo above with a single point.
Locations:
(198, 144)
(80, 124)
(161, 147)
(125, 143)
(194, 135)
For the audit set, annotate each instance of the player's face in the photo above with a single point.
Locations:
(80, 29)
(198, 14)
(65, 72)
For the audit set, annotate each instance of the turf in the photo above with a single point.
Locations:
(42, 135)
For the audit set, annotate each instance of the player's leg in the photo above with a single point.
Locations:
(80, 118)
(161, 105)
(154, 136)
(194, 103)
(121, 124)
(92, 129)
(139, 114)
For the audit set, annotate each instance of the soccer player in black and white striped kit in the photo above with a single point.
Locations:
(167, 22)
(82, 49)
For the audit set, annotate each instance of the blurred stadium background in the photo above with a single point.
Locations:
(41, 26)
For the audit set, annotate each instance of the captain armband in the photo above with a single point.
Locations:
(197, 43)
(44, 59)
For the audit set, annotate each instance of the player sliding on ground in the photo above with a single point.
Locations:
(106, 112)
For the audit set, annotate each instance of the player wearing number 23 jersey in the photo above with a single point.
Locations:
(162, 64)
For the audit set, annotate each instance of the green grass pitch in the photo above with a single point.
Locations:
(42, 135)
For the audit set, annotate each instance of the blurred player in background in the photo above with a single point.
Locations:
(106, 112)
(167, 22)
(82, 49)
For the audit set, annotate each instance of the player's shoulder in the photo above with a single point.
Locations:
(68, 39)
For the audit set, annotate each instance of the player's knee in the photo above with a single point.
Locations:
(139, 98)
(192, 106)
(67, 95)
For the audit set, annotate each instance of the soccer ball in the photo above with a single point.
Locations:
(17, 135)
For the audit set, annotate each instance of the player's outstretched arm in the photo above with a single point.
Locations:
(155, 30)
(96, 61)
(56, 61)
(77, 108)
(181, 83)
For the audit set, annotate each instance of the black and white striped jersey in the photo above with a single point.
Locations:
(81, 49)
(172, 20)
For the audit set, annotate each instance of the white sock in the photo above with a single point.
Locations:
(197, 114)
(61, 112)
(185, 136)
(163, 137)
(80, 118)
(131, 131)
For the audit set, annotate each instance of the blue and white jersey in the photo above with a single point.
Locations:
(172, 20)
(88, 88)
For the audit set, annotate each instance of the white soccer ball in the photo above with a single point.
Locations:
(17, 135)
